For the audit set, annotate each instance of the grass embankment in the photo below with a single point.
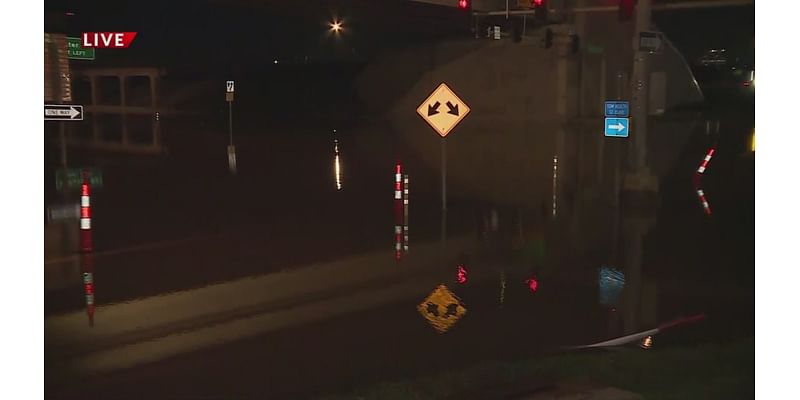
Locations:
(707, 371)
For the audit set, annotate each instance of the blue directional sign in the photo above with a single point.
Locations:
(616, 127)
(617, 108)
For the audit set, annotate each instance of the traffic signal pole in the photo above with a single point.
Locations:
(639, 184)
(639, 92)
(684, 5)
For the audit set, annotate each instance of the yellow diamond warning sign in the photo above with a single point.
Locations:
(443, 110)
(442, 309)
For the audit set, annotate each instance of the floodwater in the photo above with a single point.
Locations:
(286, 280)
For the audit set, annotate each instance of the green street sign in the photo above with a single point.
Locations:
(72, 178)
(77, 52)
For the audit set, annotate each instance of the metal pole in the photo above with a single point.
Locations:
(658, 7)
(62, 138)
(444, 191)
(230, 123)
(639, 91)
(524, 24)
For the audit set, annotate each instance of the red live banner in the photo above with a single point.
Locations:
(107, 40)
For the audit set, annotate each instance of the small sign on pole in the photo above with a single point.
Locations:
(63, 212)
(229, 89)
(63, 112)
(73, 178)
(651, 42)
(616, 127)
(76, 51)
(617, 108)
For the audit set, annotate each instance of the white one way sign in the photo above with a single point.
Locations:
(63, 112)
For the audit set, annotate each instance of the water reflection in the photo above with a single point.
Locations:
(533, 284)
(555, 184)
(442, 309)
(337, 171)
(405, 213)
(401, 205)
(698, 178)
(610, 282)
(398, 211)
(336, 166)
(87, 271)
(461, 275)
(502, 287)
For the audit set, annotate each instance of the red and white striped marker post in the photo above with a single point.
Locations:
(86, 245)
(704, 164)
(405, 213)
(398, 211)
(697, 177)
(702, 196)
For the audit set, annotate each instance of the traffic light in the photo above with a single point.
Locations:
(626, 9)
(540, 10)
(463, 4)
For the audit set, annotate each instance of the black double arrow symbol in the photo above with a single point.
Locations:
(434, 109)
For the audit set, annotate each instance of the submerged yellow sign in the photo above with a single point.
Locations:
(442, 309)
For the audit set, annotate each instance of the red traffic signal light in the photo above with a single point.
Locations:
(540, 10)
(533, 284)
(626, 9)
(463, 4)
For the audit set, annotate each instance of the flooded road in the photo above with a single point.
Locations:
(284, 282)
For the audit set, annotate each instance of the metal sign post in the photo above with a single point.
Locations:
(229, 90)
(444, 190)
(443, 121)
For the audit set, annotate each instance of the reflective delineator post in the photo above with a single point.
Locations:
(86, 216)
(697, 177)
(398, 211)
(405, 213)
(706, 159)
(702, 196)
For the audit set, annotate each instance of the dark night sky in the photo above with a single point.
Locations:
(254, 32)
(696, 30)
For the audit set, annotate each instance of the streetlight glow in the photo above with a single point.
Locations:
(336, 26)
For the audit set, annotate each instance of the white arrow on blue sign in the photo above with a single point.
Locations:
(617, 127)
